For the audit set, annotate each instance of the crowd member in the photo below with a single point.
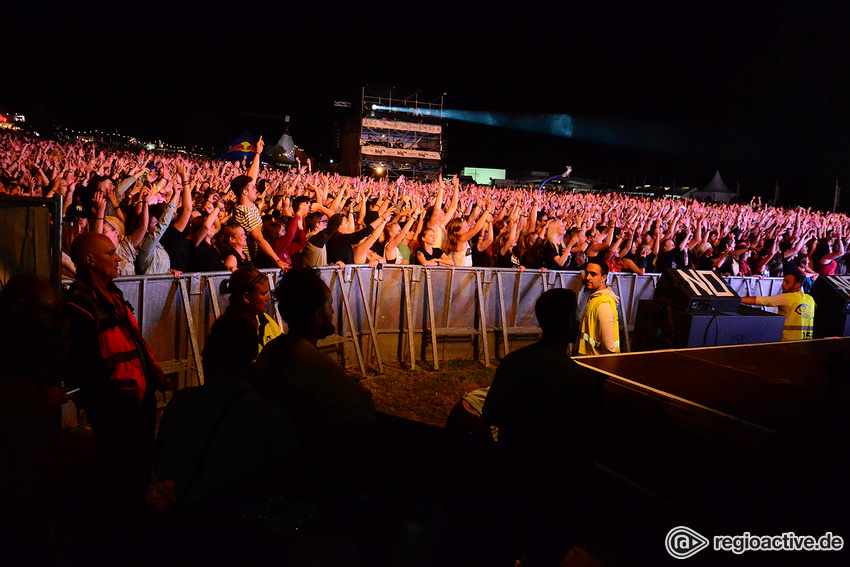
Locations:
(599, 331)
(392, 247)
(340, 246)
(214, 434)
(152, 257)
(288, 241)
(174, 239)
(481, 245)
(113, 229)
(679, 233)
(794, 304)
(290, 369)
(247, 214)
(827, 253)
(111, 364)
(555, 254)
(429, 255)
(504, 255)
(546, 409)
(458, 234)
(249, 292)
(56, 485)
(438, 218)
(322, 225)
(234, 244)
(203, 255)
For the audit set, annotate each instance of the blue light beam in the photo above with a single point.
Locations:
(553, 124)
(643, 135)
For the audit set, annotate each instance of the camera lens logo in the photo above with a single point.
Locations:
(683, 542)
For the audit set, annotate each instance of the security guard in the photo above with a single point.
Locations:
(797, 306)
(599, 331)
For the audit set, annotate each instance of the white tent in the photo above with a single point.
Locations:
(284, 150)
(716, 191)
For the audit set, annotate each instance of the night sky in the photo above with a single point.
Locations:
(759, 90)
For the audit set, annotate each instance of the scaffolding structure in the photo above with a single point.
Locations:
(401, 133)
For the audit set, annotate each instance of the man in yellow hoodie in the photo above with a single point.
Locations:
(599, 329)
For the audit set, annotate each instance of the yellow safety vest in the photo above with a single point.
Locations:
(799, 321)
(269, 329)
(589, 340)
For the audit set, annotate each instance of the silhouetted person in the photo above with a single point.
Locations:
(54, 488)
(292, 371)
(546, 410)
(212, 435)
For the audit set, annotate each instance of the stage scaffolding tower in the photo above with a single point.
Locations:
(401, 133)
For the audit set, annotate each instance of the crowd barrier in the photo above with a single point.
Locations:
(404, 313)
(29, 239)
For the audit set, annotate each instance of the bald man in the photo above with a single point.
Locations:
(111, 364)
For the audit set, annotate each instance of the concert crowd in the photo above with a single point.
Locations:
(280, 451)
(172, 213)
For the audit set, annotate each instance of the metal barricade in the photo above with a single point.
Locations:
(403, 313)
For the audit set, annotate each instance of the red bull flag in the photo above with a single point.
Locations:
(242, 147)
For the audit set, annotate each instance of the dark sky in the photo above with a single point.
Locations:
(759, 89)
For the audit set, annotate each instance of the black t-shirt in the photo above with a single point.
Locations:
(240, 261)
(548, 255)
(339, 246)
(507, 260)
(205, 258)
(640, 261)
(480, 258)
(175, 244)
(436, 253)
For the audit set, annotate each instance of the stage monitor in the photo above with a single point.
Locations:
(832, 293)
(696, 291)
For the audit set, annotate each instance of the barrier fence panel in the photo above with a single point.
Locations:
(388, 300)
(746, 287)
(453, 309)
(30, 238)
(385, 314)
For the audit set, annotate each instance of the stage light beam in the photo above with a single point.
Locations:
(638, 134)
(553, 124)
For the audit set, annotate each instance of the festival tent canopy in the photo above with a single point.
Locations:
(715, 191)
(242, 147)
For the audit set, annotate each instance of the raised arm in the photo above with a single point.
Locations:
(450, 213)
(182, 221)
(254, 170)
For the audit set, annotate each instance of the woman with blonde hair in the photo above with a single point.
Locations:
(555, 255)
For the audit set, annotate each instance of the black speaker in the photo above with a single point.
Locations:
(832, 306)
(696, 291)
(659, 326)
(832, 293)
